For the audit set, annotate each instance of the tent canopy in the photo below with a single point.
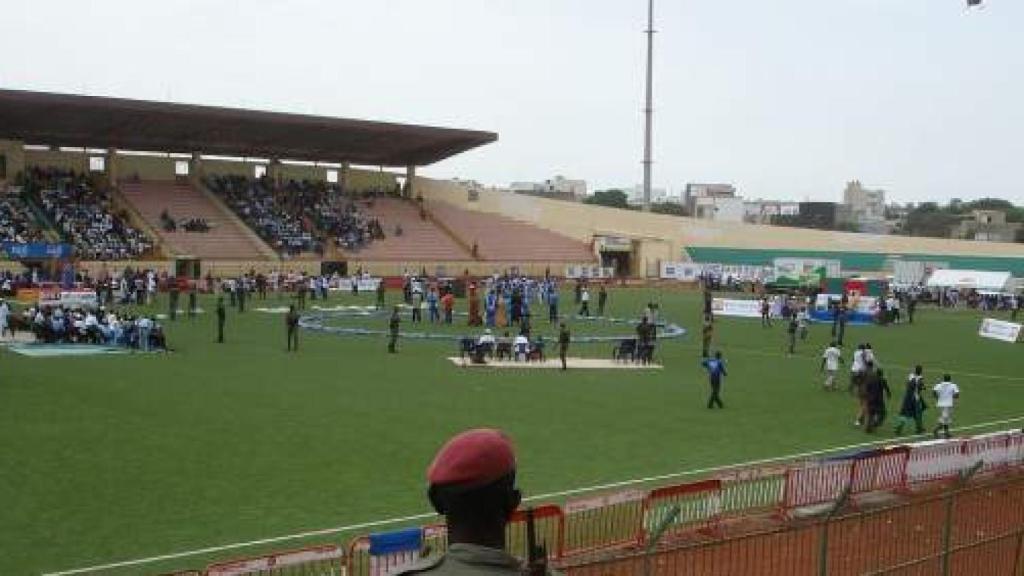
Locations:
(972, 279)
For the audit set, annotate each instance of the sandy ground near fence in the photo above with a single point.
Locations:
(555, 364)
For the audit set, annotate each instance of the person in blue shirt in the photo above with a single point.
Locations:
(553, 305)
(716, 371)
(432, 301)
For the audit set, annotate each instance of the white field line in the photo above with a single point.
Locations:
(549, 496)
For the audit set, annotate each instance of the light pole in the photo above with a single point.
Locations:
(648, 108)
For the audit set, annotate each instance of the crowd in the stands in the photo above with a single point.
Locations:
(267, 212)
(17, 223)
(297, 217)
(84, 215)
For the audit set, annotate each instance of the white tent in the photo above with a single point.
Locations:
(973, 280)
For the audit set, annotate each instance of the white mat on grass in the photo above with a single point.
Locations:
(556, 364)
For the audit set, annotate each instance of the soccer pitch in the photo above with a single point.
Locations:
(121, 457)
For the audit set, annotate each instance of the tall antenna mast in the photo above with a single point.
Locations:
(648, 108)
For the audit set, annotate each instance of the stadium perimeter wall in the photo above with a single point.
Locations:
(662, 237)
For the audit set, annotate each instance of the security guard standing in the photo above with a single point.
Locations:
(563, 343)
(173, 299)
(393, 326)
(192, 304)
(292, 322)
(221, 315)
(472, 483)
(707, 332)
(380, 294)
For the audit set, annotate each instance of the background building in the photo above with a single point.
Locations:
(765, 211)
(987, 226)
(557, 187)
(658, 195)
(714, 202)
(866, 207)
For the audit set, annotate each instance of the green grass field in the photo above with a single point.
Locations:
(123, 457)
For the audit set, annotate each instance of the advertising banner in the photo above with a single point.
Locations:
(35, 251)
(999, 330)
(68, 298)
(738, 308)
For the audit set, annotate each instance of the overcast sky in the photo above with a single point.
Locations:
(784, 98)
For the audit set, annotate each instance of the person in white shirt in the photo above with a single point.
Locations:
(521, 346)
(856, 367)
(585, 302)
(486, 339)
(830, 361)
(946, 393)
(5, 312)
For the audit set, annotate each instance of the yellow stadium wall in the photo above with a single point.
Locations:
(664, 237)
(226, 168)
(14, 159)
(77, 161)
(146, 167)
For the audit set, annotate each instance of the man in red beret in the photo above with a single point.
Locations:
(472, 484)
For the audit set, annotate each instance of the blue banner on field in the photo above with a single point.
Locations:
(410, 539)
(36, 251)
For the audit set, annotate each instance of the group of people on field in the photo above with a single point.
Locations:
(870, 386)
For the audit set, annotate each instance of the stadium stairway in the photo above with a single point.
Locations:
(501, 238)
(421, 239)
(228, 238)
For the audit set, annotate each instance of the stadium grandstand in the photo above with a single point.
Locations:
(246, 187)
(253, 189)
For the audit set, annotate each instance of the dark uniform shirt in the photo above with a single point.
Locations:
(467, 560)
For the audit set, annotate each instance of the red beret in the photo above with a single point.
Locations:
(472, 459)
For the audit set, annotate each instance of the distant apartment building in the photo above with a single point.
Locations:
(557, 187)
(764, 211)
(987, 226)
(635, 195)
(865, 208)
(714, 202)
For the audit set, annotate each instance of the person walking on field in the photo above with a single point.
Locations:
(585, 302)
(791, 330)
(766, 313)
(707, 333)
(830, 361)
(912, 407)
(563, 344)
(716, 371)
(877, 393)
(221, 316)
(946, 394)
(393, 326)
(602, 299)
(292, 324)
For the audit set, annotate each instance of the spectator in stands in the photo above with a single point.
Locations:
(472, 483)
(83, 214)
(298, 216)
(17, 224)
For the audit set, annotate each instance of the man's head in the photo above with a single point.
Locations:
(472, 483)
(918, 369)
(946, 377)
(718, 355)
(291, 308)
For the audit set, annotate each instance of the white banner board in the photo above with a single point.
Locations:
(364, 284)
(739, 308)
(84, 299)
(682, 271)
(999, 330)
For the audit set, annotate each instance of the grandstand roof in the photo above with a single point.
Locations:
(99, 122)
